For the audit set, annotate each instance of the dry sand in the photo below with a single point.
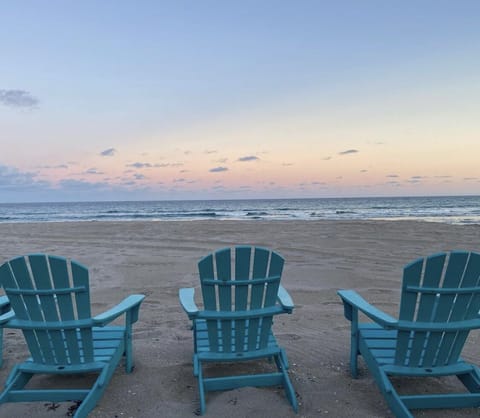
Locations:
(158, 258)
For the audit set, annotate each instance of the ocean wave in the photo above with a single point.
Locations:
(256, 214)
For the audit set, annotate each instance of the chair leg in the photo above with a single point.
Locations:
(97, 390)
(16, 381)
(201, 388)
(282, 365)
(128, 344)
(391, 396)
(354, 346)
(95, 393)
(388, 391)
(471, 380)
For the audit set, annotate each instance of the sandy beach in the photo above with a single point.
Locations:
(158, 258)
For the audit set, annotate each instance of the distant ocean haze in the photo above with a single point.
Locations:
(450, 209)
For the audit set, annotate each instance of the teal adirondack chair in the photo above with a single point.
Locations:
(50, 303)
(4, 308)
(236, 322)
(440, 304)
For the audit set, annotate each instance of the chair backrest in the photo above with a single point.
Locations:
(50, 298)
(441, 289)
(239, 293)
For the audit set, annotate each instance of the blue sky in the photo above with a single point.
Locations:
(222, 99)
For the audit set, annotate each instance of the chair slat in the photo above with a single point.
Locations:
(437, 347)
(82, 301)
(242, 272)
(465, 306)
(34, 312)
(41, 277)
(224, 273)
(19, 303)
(206, 271)
(61, 279)
(259, 269)
(427, 305)
(275, 270)
(412, 275)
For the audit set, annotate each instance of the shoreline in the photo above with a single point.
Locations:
(158, 258)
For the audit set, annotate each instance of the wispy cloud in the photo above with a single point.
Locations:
(415, 179)
(109, 152)
(348, 151)
(326, 158)
(248, 158)
(392, 176)
(93, 170)
(211, 151)
(18, 98)
(149, 165)
(218, 169)
(58, 166)
(140, 165)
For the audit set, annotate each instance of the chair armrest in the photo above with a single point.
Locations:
(186, 296)
(7, 316)
(352, 300)
(4, 304)
(4, 301)
(129, 304)
(285, 300)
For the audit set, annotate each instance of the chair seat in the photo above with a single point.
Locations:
(106, 343)
(231, 353)
(379, 341)
(381, 345)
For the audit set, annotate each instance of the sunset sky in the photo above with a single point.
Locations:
(127, 100)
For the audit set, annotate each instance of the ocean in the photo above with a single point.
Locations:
(447, 209)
